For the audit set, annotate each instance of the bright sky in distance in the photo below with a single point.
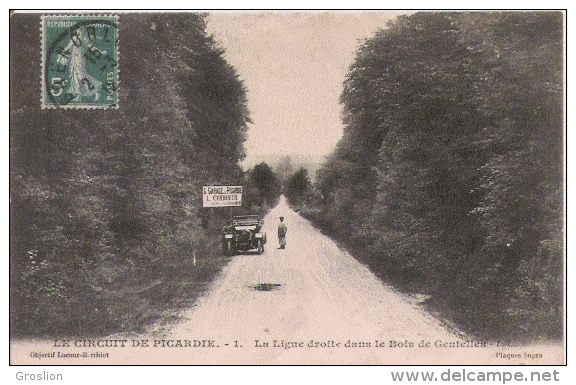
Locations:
(293, 65)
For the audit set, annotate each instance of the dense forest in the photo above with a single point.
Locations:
(106, 212)
(449, 176)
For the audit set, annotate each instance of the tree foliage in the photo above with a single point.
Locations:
(263, 187)
(299, 189)
(106, 206)
(449, 173)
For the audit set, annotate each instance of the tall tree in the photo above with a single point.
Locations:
(267, 182)
(453, 151)
(298, 187)
(102, 201)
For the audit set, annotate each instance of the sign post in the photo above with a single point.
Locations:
(221, 196)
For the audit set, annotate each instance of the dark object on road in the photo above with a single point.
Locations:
(266, 286)
(243, 234)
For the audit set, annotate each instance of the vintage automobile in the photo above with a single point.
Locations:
(244, 233)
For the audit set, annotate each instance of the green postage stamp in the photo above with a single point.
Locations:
(80, 61)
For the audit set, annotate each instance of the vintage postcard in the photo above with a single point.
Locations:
(287, 188)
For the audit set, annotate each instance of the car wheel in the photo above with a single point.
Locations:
(260, 247)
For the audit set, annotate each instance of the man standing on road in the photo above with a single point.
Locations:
(282, 229)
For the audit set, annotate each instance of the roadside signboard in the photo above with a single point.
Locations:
(221, 196)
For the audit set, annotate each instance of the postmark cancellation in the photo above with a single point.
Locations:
(79, 61)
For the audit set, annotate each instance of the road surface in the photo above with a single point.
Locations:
(324, 295)
(323, 307)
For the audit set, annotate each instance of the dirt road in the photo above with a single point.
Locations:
(324, 295)
(323, 307)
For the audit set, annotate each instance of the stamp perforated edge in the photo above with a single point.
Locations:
(43, 103)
